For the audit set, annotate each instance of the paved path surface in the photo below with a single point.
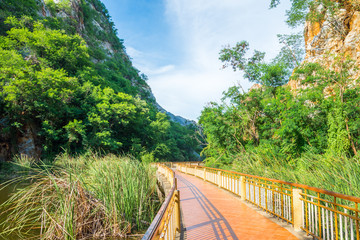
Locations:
(212, 213)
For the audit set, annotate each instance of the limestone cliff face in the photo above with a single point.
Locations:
(75, 13)
(336, 34)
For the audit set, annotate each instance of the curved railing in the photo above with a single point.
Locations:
(173, 164)
(320, 213)
(166, 223)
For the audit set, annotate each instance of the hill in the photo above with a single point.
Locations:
(67, 84)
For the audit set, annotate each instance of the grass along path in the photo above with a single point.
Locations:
(86, 197)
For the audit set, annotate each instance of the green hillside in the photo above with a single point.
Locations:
(67, 84)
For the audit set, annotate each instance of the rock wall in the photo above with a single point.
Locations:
(27, 144)
(338, 34)
(335, 35)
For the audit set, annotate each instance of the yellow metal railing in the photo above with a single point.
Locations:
(320, 213)
(166, 223)
(329, 215)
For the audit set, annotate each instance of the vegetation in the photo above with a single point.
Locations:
(81, 198)
(313, 10)
(65, 75)
(309, 133)
(70, 80)
(334, 173)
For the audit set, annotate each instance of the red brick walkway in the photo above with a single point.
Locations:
(212, 213)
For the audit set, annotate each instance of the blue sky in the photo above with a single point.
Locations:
(176, 44)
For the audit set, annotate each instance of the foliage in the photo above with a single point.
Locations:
(83, 197)
(319, 116)
(338, 174)
(307, 131)
(292, 51)
(311, 10)
(338, 141)
(16, 8)
(256, 70)
(49, 79)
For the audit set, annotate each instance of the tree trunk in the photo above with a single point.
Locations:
(350, 139)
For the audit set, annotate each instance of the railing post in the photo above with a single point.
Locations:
(177, 211)
(242, 188)
(195, 172)
(297, 209)
(219, 178)
(204, 174)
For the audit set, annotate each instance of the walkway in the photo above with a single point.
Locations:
(212, 213)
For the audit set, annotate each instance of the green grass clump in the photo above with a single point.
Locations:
(334, 173)
(86, 197)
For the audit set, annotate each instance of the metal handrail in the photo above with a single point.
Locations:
(320, 213)
(297, 185)
(167, 221)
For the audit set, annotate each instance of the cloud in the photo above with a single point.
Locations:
(182, 63)
(200, 29)
(161, 70)
(186, 92)
(134, 52)
(149, 67)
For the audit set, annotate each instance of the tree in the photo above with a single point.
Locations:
(310, 10)
(271, 74)
(292, 52)
(338, 89)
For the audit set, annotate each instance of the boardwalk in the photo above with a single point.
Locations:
(211, 213)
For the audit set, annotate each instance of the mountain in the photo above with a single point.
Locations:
(74, 87)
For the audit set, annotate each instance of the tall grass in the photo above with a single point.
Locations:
(86, 197)
(339, 174)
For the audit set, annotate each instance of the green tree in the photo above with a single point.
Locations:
(311, 10)
(271, 74)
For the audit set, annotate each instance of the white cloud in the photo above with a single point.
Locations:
(161, 70)
(134, 52)
(200, 29)
(185, 92)
(142, 61)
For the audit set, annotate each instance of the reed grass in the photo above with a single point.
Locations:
(335, 173)
(85, 197)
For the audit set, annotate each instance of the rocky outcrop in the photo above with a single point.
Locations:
(4, 151)
(335, 35)
(27, 145)
(255, 86)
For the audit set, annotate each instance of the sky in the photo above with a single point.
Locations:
(176, 43)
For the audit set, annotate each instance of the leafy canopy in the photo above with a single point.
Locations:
(48, 81)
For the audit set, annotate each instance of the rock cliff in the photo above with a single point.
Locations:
(335, 35)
